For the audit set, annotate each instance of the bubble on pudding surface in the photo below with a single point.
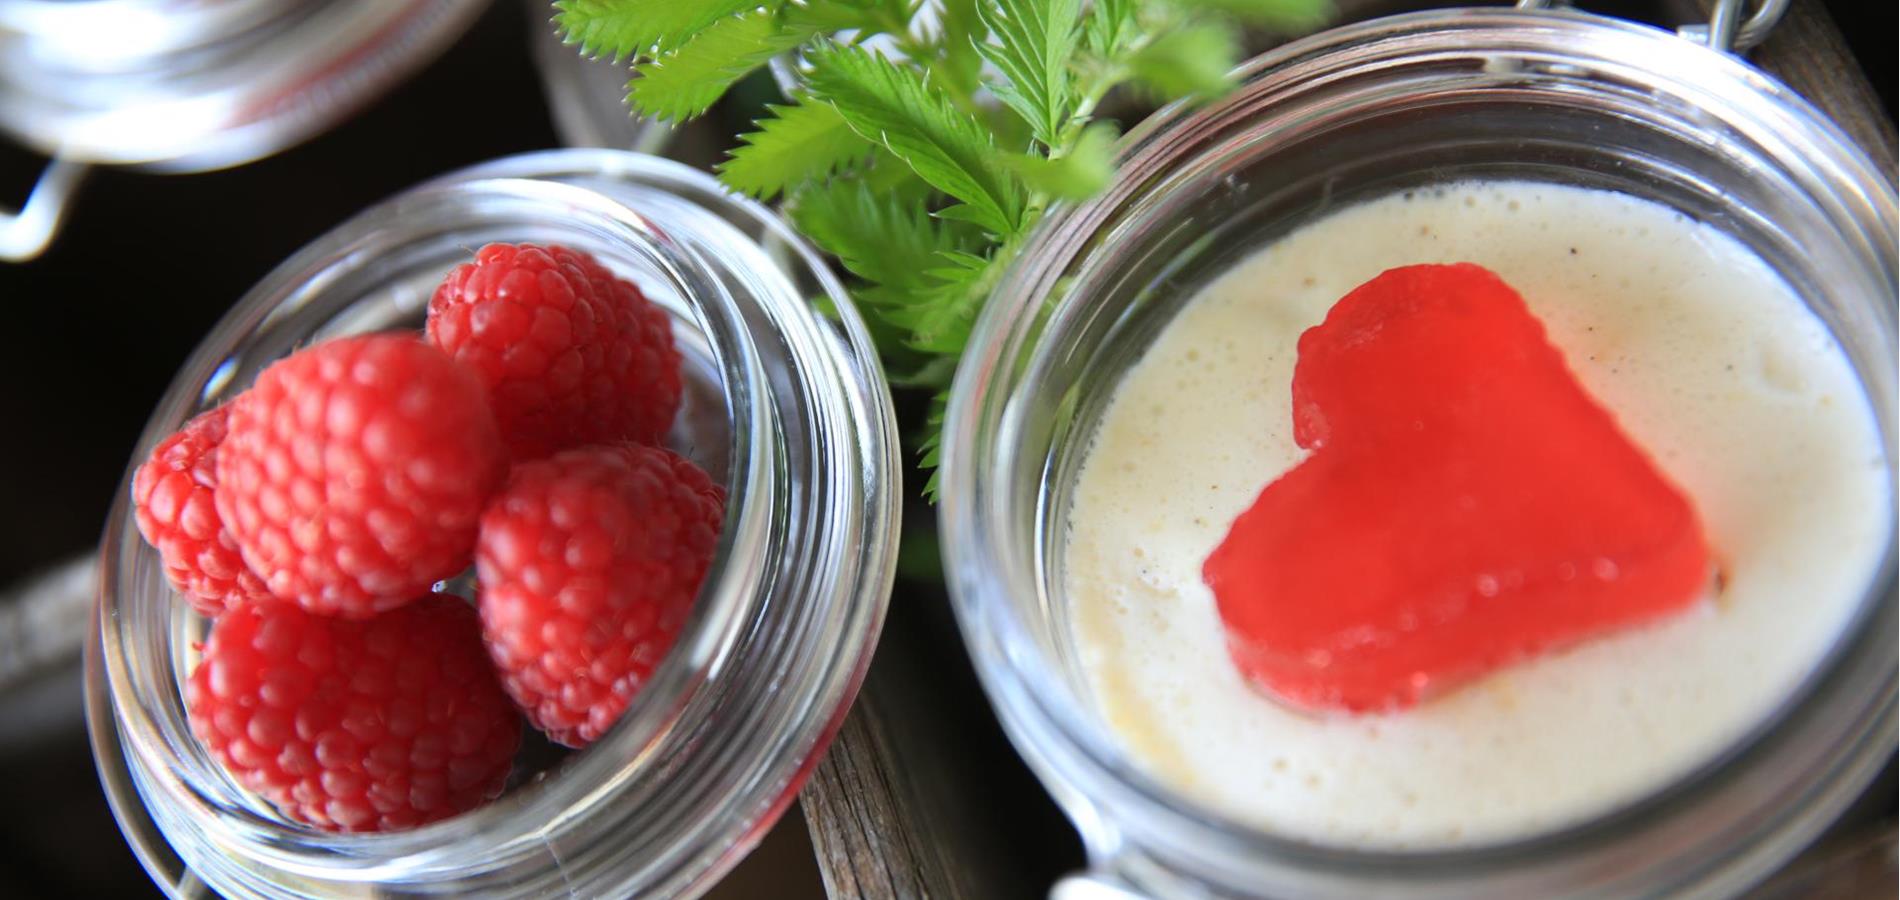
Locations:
(1781, 369)
(1605, 569)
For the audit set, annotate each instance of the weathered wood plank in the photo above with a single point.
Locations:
(921, 795)
(1807, 51)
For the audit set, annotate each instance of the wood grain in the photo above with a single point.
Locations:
(921, 795)
(1806, 50)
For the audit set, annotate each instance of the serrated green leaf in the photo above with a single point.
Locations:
(879, 237)
(1191, 60)
(807, 141)
(1035, 40)
(959, 28)
(1081, 173)
(685, 82)
(894, 106)
(633, 28)
(903, 366)
(934, 371)
(889, 175)
(941, 314)
(920, 273)
(961, 212)
(1110, 28)
(1282, 15)
(830, 15)
(930, 449)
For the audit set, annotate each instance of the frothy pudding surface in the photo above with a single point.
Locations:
(1708, 360)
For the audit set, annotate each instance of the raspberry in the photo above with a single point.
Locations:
(370, 725)
(354, 473)
(173, 502)
(571, 354)
(588, 564)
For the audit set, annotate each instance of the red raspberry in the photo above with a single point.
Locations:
(588, 563)
(173, 502)
(355, 473)
(571, 354)
(371, 725)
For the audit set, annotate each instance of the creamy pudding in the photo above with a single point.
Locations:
(1708, 361)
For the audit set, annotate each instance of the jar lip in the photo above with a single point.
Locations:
(150, 25)
(526, 820)
(1109, 796)
(217, 84)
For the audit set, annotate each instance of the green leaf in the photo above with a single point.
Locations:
(684, 83)
(890, 175)
(903, 366)
(934, 370)
(959, 29)
(807, 141)
(831, 15)
(886, 239)
(941, 314)
(1191, 60)
(633, 28)
(930, 449)
(1035, 40)
(895, 106)
(1110, 28)
(1077, 175)
(1281, 15)
(921, 274)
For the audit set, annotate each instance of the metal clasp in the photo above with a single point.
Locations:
(25, 234)
(1730, 29)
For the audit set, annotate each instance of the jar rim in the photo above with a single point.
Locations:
(136, 713)
(1115, 802)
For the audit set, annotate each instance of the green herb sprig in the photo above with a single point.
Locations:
(922, 168)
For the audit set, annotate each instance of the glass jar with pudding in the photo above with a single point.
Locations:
(783, 407)
(1714, 265)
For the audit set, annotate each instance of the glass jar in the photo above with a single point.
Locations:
(785, 407)
(193, 85)
(1365, 111)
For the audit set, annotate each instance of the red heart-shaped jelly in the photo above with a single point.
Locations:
(1466, 505)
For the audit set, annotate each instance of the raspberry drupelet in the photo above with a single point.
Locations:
(570, 353)
(588, 564)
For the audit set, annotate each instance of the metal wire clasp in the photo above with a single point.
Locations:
(1730, 29)
(24, 234)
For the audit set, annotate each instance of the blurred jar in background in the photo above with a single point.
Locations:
(192, 85)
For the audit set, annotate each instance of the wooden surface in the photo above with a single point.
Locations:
(922, 797)
(1807, 51)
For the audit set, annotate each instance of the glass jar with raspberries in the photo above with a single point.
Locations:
(528, 533)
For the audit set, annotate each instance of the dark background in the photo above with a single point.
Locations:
(93, 331)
